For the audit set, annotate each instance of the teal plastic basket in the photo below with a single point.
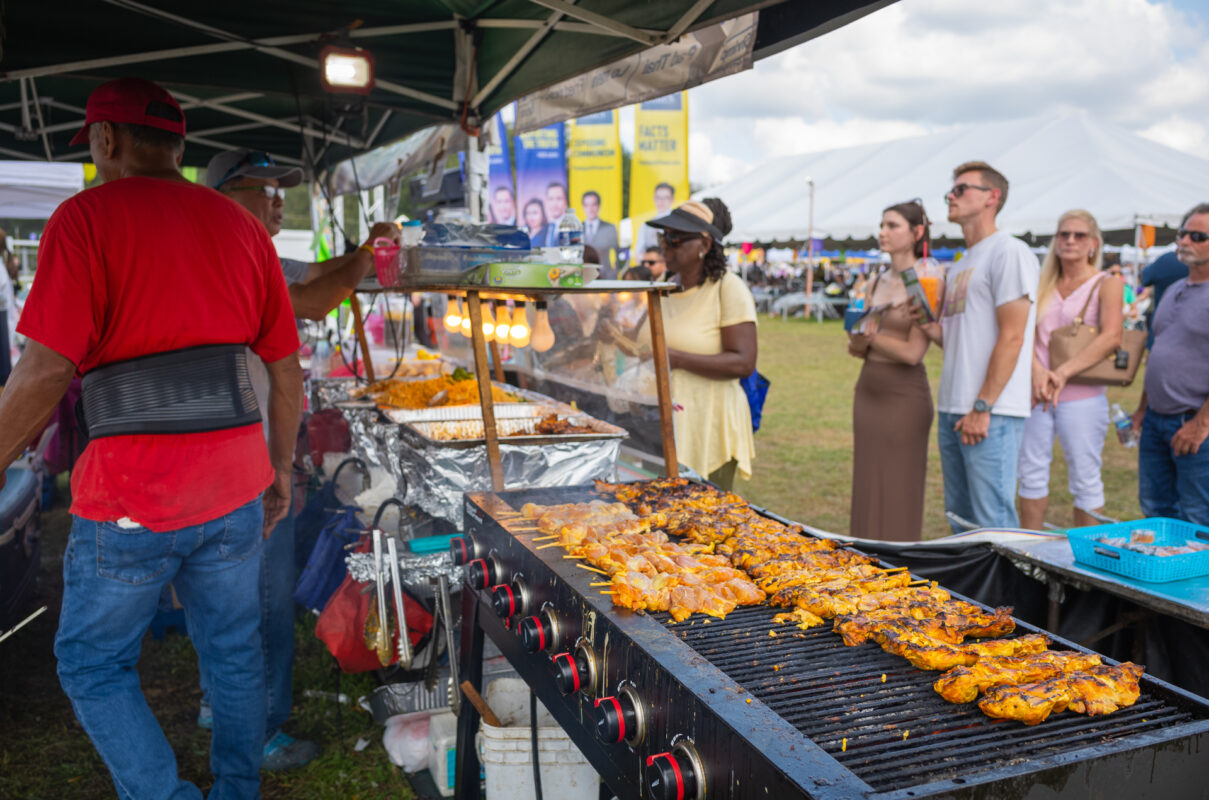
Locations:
(1143, 567)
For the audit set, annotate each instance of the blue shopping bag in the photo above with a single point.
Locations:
(755, 386)
(325, 570)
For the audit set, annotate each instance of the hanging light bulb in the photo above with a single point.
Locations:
(518, 334)
(453, 316)
(488, 323)
(503, 325)
(543, 334)
(464, 327)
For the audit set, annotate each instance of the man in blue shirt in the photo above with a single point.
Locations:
(1166, 270)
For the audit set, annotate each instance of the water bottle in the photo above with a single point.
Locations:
(1124, 425)
(571, 238)
(321, 359)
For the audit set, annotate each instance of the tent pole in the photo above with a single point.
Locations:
(810, 243)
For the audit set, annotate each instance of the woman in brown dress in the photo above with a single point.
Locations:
(892, 412)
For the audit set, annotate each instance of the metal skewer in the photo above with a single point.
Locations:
(405, 654)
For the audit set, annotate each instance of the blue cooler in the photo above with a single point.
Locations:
(20, 544)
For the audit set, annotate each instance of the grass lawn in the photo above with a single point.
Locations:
(803, 466)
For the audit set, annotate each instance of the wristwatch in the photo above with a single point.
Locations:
(982, 406)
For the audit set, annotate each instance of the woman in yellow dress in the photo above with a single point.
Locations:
(711, 339)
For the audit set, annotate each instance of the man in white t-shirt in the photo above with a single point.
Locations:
(986, 330)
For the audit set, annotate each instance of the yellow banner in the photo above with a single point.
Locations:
(659, 169)
(594, 173)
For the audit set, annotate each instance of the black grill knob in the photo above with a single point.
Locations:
(671, 778)
(618, 721)
(481, 573)
(537, 633)
(505, 601)
(463, 550)
(571, 672)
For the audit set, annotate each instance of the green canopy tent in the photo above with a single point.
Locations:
(247, 72)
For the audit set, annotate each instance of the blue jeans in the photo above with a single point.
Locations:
(980, 479)
(277, 579)
(112, 578)
(1171, 485)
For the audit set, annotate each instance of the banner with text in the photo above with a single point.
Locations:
(659, 166)
(501, 194)
(541, 181)
(594, 170)
(703, 55)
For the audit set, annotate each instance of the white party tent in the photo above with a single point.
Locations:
(33, 190)
(1053, 164)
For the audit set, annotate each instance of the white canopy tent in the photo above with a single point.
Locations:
(1052, 163)
(32, 190)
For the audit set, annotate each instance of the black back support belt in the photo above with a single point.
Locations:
(193, 390)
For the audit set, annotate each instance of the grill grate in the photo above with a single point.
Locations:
(831, 692)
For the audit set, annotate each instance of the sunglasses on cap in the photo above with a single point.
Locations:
(256, 159)
(960, 188)
(271, 192)
(1200, 237)
(676, 238)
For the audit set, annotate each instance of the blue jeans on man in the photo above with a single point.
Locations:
(980, 479)
(1170, 485)
(112, 579)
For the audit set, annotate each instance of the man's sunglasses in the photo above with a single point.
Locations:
(257, 159)
(271, 192)
(960, 188)
(675, 238)
(651, 262)
(1200, 237)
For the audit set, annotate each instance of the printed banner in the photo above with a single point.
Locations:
(691, 60)
(501, 195)
(594, 169)
(541, 182)
(659, 167)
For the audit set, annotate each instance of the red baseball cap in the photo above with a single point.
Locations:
(133, 101)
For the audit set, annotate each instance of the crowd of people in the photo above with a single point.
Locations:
(1004, 395)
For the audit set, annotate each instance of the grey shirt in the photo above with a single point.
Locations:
(1177, 375)
(294, 272)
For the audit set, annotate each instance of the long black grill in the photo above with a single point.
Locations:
(877, 715)
(774, 711)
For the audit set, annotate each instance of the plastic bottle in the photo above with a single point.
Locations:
(1124, 425)
(321, 359)
(571, 238)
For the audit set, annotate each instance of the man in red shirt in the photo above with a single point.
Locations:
(151, 287)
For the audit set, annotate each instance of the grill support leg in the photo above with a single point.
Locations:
(468, 786)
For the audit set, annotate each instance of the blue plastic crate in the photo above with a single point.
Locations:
(1143, 567)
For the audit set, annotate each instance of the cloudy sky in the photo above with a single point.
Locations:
(924, 65)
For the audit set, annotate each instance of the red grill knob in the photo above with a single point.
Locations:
(571, 672)
(481, 573)
(537, 633)
(670, 778)
(463, 550)
(505, 600)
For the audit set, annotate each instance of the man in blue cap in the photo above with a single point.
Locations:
(255, 181)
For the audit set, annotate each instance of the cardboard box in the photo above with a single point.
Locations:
(531, 276)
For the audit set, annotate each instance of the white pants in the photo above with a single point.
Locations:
(1081, 426)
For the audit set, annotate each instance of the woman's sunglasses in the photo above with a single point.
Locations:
(1200, 237)
(1076, 235)
(675, 238)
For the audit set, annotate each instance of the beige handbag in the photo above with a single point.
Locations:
(1118, 368)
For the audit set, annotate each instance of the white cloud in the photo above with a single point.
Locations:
(923, 65)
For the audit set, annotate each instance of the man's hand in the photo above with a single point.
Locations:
(276, 502)
(384, 230)
(858, 344)
(1040, 381)
(974, 427)
(1189, 438)
(1136, 420)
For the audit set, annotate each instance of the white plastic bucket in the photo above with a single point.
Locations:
(505, 752)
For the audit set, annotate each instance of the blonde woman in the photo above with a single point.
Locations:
(1071, 281)
(892, 406)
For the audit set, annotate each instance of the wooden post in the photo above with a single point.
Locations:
(359, 327)
(496, 364)
(663, 386)
(482, 372)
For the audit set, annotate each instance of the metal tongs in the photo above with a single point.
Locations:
(382, 635)
(396, 585)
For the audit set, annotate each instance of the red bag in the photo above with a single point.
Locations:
(327, 431)
(341, 625)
